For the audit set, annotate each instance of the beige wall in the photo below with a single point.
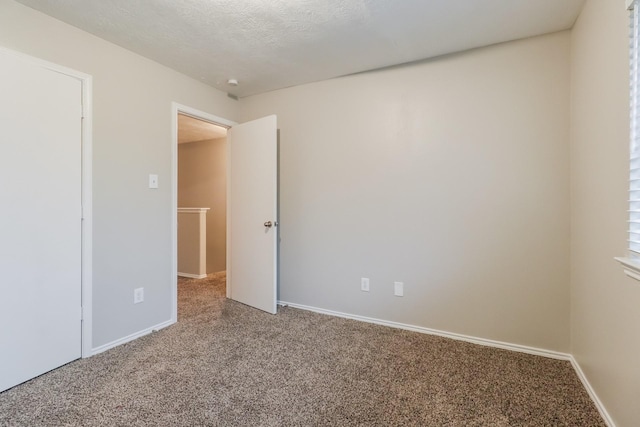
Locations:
(131, 139)
(202, 182)
(605, 304)
(450, 175)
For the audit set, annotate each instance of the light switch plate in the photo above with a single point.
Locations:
(153, 181)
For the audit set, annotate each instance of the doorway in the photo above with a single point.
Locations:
(252, 209)
(199, 187)
(202, 193)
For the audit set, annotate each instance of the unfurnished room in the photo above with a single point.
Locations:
(320, 213)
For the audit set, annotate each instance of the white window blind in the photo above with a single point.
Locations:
(634, 186)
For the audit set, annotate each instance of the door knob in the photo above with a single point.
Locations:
(268, 224)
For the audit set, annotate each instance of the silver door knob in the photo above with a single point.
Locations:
(268, 224)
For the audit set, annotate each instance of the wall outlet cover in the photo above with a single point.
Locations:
(398, 289)
(138, 295)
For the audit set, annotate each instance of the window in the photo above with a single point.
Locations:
(632, 264)
(634, 184)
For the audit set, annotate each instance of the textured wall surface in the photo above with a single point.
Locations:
(451, 176)
(605, 304)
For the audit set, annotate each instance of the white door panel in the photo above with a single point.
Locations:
(253, 192)
(40, 226)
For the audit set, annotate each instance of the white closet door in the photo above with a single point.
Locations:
(40, 219)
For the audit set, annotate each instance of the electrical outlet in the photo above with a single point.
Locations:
(364, 284)
(138, 295)
(398, 289)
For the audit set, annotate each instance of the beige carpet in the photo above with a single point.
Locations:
(224, 364)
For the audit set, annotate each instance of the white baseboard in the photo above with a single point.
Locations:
(136, 335)
(423, 330)
(192, 276)
(475, 340)
(596, 400)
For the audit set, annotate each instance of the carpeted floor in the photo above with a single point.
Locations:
(224, 364)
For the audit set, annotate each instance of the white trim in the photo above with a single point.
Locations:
(475, 340)
(174, 212)
(193, 210)
(86, 192)
(132, 337)
(596, 400)
(228, 230)
(630, 4)
(192, 276)
(201, 115)
(46, 64)
(631, 267)
(87, 216)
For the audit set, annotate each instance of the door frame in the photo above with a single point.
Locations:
(86, 250)
(200, 115)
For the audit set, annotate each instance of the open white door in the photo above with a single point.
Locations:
(252, 213)
(40, 229)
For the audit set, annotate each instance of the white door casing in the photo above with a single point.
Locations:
(200, 115)
(252, 203)
(41, 227)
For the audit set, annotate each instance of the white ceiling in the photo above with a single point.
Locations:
(271, 44)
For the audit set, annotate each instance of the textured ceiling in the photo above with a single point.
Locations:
(271, 44)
